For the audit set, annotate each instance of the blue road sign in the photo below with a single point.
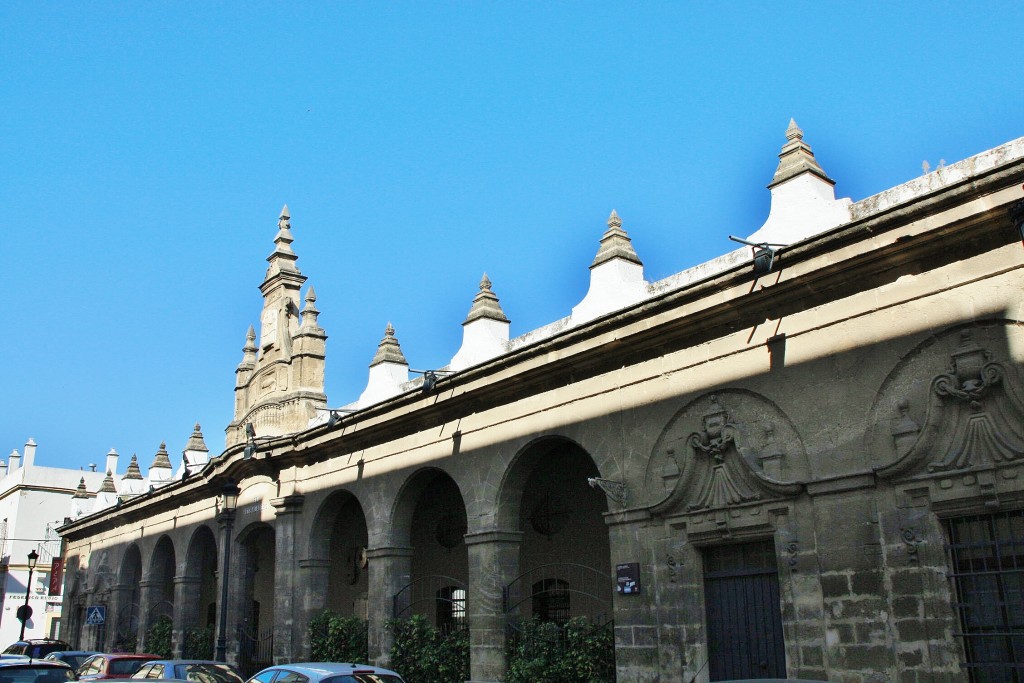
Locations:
(96, 615)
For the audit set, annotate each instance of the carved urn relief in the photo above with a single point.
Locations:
(967, 416)
(722, 457)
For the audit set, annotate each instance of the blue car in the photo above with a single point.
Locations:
(325, 672)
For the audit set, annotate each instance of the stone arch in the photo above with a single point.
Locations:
(564, 555)
(430, 518)
(129, 596)
(200, 577)
(337, 554)
(513, 478)
(160, 581)
(256, 562)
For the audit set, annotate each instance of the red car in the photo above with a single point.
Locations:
(112, 666)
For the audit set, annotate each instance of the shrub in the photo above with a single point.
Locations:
(579, 652)
(334, 638)
(125, 641)
(158, 637)
(199, 643)
(422, 654)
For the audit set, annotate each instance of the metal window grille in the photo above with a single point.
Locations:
(986, 556)
(451, 609)
(551, 600)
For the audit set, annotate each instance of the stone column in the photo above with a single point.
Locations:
(313, 579)
(390, 569)
(288, 632)
(493, 564)
(146, 589)
(186, 611)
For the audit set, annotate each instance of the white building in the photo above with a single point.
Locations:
(34, 501)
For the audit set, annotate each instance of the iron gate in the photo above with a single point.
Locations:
(442, 597)
(741, 597)
(255, 650)
(544, 603)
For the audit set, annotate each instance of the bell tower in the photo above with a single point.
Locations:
(280, 382)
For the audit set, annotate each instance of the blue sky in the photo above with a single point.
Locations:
(148, 147)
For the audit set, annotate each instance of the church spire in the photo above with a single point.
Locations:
(283, 258)
(615, 243)
(485, 304)
(389, 350)
(280, 382)
(310, 311)
(796, 157)
(249, 350)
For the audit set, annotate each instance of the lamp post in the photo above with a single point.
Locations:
(229, 499)
(25, 611)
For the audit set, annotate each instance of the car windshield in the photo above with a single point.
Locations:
(363, 678)
(74, 660)
(123, 667)
(36, 674)
(207, 673)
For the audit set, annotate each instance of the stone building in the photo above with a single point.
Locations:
(801, 460)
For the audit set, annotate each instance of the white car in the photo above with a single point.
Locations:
(325, 672)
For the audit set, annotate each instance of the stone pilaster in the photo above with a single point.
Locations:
(186, 611)
(286, 532)
(390, 569)
(314, 575)
(493, 564)
(147, 589)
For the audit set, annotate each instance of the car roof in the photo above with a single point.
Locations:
(187, 661)
(25, 661)
(329, 668)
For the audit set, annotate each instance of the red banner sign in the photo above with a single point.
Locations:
(56, 575)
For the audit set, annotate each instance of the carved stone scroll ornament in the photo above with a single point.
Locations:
(731, 480)
(719, 470)
(974, 417)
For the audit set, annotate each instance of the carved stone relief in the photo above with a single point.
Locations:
(953, 405)
(722, 450)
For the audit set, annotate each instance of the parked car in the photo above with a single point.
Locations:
(325, 672)
(35, 671)
(198, 670)
(73, 658)
(36, 649)
(120, 665)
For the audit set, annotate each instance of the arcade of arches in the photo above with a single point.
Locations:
(812, 473)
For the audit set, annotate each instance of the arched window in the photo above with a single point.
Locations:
(551, 600)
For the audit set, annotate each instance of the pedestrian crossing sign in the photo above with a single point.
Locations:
(96, 615)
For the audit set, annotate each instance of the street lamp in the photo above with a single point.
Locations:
(25, 611)
(229, 499)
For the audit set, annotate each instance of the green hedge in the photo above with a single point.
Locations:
(158, 637)
(579, 652)
(422, 654)
(334, 638)
(199, 643)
